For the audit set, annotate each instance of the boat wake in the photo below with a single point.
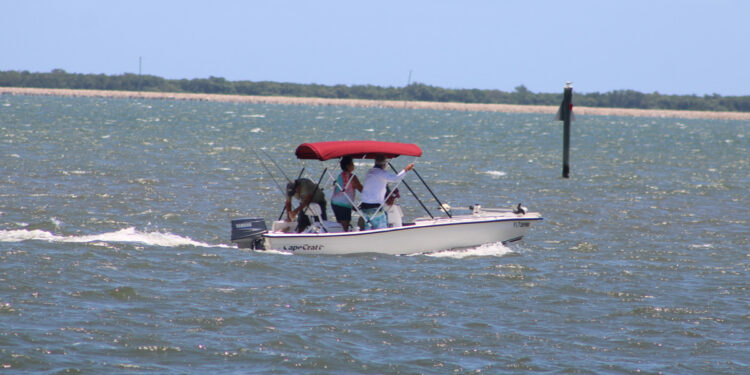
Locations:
(486, 250)
(127, 235)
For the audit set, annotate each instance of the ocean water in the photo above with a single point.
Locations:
(115, 254)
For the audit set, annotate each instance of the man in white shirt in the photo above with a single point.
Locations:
(373, 192)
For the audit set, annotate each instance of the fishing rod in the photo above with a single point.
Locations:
(447, 211)
(286, 196)
(277, 166)
(269, 173)
(302, 211)
(387, 197)
(317, 186)
(412, 192)
(355, 207)
(283, 191)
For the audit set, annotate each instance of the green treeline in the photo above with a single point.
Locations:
(417, 91)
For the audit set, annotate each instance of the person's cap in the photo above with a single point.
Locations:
(380, 160)
(290, 188)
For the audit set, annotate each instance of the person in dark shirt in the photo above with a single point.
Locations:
(306, 192)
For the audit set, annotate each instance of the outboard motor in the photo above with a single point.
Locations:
(248, 233)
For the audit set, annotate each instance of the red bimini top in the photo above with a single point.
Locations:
(356, 149)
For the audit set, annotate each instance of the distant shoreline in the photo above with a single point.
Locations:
(506, 108)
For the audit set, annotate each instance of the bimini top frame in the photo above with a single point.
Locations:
(366, 150)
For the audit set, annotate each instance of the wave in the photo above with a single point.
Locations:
(127, 235)
(491, 249)
(494, 173)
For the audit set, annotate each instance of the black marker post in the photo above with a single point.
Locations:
(565, 113)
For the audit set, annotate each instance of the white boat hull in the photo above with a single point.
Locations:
(425, 235)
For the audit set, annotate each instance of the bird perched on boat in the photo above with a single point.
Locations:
(520, 209)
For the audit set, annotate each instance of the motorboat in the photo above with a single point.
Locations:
(448, 230)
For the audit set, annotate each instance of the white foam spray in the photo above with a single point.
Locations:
(127, 235)
(495, 174)
(491, 249)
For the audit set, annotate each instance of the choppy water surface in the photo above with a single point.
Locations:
(115, 253)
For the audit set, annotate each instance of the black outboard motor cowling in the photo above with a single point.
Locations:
(248, 233)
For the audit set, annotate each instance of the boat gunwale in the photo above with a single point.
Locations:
(270, 234)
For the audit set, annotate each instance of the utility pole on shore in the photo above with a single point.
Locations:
(140, 66)
(565, 113)
(408, 83)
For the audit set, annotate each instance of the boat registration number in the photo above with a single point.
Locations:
(521, 224)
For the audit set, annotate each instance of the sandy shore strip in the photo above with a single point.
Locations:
(507, 108)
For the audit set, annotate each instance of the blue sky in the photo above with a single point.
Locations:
(673, 47)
